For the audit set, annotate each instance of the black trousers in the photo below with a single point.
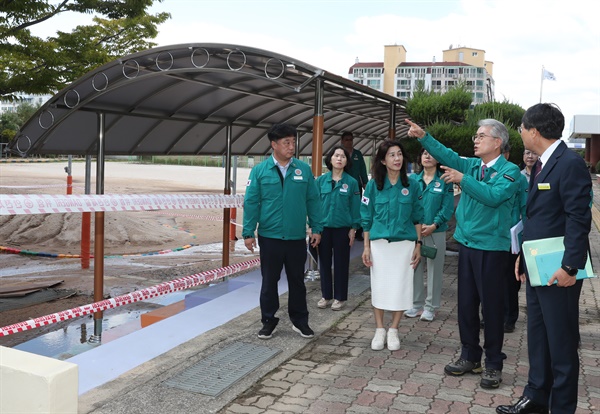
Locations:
(334, 249)
(511, 294)
(481, 278)
(552, 344)
(276, 254)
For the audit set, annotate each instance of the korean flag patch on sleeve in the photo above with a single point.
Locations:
(365, 200)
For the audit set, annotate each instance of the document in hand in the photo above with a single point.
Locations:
(543, 257)
(516, 235)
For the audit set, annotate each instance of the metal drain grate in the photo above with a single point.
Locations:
(222, 369)
(358, 284)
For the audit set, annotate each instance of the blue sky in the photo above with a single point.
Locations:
(519, 36)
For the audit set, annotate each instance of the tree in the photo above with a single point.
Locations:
(443, 115)
(427, 107)
(448, 118)
(508, 113)
(10, 122)
(32, 65)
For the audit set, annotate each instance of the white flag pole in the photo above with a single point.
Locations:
(542, 84)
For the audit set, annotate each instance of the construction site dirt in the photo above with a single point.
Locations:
(141, 248)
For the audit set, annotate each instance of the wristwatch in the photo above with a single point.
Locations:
(571, 271)
(248, 237)
(419, 242)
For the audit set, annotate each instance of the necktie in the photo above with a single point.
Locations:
(538, 170)
(483, 167)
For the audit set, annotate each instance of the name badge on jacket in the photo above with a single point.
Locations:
(543, 186)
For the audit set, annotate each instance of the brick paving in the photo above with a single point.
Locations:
(337, 372)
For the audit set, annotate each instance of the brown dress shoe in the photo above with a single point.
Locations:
(523, 406)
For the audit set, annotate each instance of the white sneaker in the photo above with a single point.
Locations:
(393, 341)
(428, 315)
(324, 303)
(413, 312)
(338, 305)
(378, 341)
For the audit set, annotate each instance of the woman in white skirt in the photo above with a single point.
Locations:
(391, 217)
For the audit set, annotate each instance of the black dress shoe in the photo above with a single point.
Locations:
(523, 406)
(509, 327)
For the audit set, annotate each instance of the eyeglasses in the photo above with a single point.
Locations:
(528, 153)
(480, 137)
(520, 129)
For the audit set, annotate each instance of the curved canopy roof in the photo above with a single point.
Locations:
(181, 99)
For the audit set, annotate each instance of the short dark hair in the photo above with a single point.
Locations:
(546, 118)
(347, 134)
(329, 156)
(278, 131)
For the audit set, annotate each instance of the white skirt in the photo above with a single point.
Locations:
(392, 275)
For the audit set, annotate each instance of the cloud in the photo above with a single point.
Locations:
(519, 36)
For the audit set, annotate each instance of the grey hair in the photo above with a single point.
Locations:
(498, 130)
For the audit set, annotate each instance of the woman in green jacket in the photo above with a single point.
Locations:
(437, 199)
(340, 201)
(391, 216)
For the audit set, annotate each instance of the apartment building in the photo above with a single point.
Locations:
(35, 100)
(398, 77)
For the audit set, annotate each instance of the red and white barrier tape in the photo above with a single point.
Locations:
(194, 216)
(151, 292)
(40, 186)
(13, 204)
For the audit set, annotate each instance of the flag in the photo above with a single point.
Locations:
(548, 75)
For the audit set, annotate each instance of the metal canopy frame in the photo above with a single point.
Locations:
(180, 100)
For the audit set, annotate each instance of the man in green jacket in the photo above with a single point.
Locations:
(280, 194)
(483, 220)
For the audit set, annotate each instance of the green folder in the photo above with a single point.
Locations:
(543, 257)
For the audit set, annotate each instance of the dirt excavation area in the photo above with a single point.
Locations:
(142, 248)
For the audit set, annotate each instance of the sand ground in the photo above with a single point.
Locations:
(126, 233)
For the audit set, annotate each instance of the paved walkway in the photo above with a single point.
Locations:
(337, 372)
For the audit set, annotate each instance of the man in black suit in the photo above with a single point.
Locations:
(558, 204)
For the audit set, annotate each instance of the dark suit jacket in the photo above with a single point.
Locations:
(565, 208)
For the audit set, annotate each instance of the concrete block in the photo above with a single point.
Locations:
(31, 384)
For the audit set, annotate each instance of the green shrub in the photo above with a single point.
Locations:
(427, 107)
(448, 118)
(508, 113)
